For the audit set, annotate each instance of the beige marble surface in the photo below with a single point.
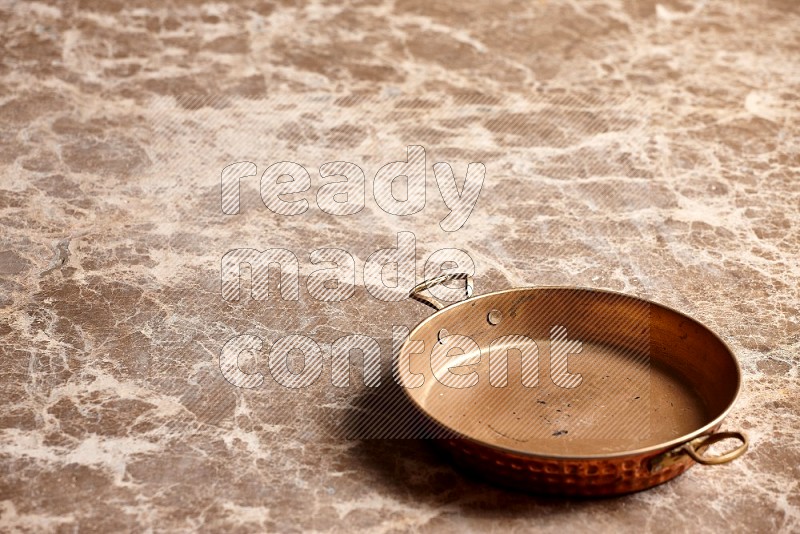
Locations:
(647, 147)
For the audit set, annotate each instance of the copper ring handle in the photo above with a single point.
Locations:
(418, 295)
(693, 449)
(710, 439)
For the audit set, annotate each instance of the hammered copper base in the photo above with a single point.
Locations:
(588, 478)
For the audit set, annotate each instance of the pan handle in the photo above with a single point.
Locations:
(418, 295)
(694, 449)
(705, 441)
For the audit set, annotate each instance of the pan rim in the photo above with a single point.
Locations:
(654, 449)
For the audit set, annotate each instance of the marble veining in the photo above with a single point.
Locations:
(641, 146)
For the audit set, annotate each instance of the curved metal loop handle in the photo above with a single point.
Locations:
(418, 295)
(694, 449)
(702, 442)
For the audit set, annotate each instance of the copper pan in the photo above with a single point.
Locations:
(570, 391)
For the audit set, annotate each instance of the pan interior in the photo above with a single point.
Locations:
(570, 372)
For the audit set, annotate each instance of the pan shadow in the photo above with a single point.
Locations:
(397, 448)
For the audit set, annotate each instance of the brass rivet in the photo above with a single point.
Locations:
(443, 333)
(495, 316)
